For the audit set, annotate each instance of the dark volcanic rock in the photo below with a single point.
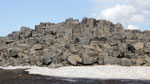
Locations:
(72, 42)
(12, 53)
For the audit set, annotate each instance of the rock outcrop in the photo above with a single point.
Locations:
(89, 42)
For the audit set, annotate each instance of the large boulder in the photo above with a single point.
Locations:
(47, 59)
(89, 56)
(140, 62)
(14, 36)
(26, 32)
(88, 42)
(119, 28)
(110, 60)
(125, 62)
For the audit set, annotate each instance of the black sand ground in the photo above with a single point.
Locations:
(21, 77)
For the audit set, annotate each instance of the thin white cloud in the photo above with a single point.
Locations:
(124, 11)
(137, 18)
(118, 12)
(132, 27)
(142, 3)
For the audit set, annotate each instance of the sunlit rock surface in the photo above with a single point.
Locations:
(89, 42)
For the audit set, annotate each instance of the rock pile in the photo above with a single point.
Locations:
(89, 42)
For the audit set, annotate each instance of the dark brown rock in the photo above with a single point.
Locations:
(72, 42)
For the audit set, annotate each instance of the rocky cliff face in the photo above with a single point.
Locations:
(89, 42)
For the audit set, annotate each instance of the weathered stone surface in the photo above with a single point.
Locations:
(25, 32)
(117, 54)
(147, 59)
(23, 46)
(74, 59)
(72, 42)
(106, 45)
(125, 62)
(37, 47)
(101, 60)
(138, 45)
(12, 53)
(46, 60)
(14, 36)
(9, 41)
(140, 62)
(111, 60)
(89, 57)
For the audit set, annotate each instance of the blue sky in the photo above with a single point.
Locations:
(17, 13)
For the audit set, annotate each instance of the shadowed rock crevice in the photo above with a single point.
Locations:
(88, 42)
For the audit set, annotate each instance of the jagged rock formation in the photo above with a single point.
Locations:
(88, 42)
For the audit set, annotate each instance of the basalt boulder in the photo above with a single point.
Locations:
(74, 42)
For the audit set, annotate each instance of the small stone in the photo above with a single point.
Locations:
(147, 60)
(46, 60)
(138, 45)
(101, 60)
(37, 47)
(140, 62)
(12, 53)
(110, 60)
(125, 62)
(106, 45)
(90, 57)
(94, 43)
(74, 59)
